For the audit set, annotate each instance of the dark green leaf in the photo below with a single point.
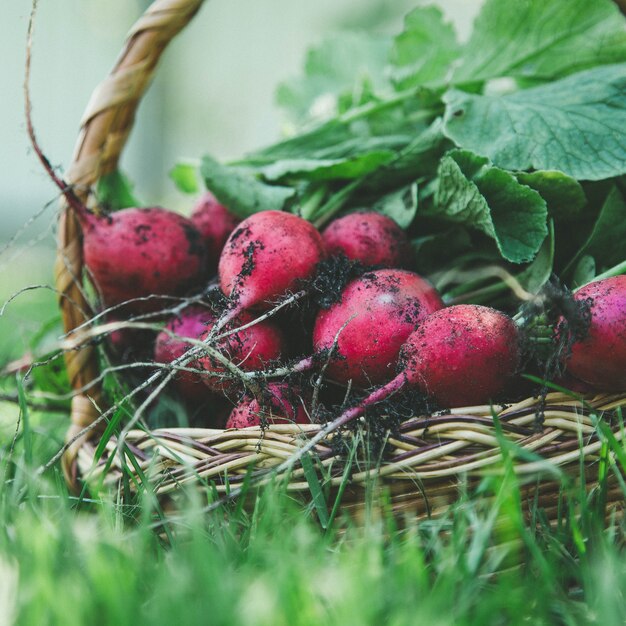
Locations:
(334, 140)
(564, 195)
(518, 212)
(327, 169)
(486, 198)
(185, 177)
(420, 158)
(436, 250)
(576, 125)
(240, 190)
(542, 39)
(584, 272)
(114, 191)
(400, 205)
(536, 275)
(423, 52)
(607, 242)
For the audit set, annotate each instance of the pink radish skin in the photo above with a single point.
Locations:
(369, 237)
(115, 253)
(600, 358)
(266, 256)
(191, 322)
(215, 223)
(281, 407)
(462, 355)
(382, 309)
(134, 253)
(249, 349)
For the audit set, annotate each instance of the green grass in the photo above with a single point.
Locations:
(23, 316)
(101, 562)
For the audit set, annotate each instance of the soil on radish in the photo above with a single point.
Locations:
(331, 278)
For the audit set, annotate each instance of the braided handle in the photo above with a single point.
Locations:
(105, 127)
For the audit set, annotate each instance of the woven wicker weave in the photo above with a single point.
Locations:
(423, 466)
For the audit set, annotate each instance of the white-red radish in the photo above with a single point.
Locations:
(266, 257)
(599, 358)
(281, 405)
(376, 314)
(369, 237)
(170, 345)
(136, 253)
(248, 349)
(215, 223)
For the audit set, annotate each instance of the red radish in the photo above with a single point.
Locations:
(248, 349)
(215, 223)
(191, 322)
(134, 253)
(266, 256)
(380, 310)
(369, 237)
(282, 405)
(462, 355)
(600, 357)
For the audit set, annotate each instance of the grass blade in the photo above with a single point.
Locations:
(317, 495)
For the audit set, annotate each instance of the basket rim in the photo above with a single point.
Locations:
(426, 450)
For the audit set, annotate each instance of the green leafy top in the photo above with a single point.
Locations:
(541, 39)
(476, 146)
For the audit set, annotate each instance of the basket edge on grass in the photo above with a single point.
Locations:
(432, 453)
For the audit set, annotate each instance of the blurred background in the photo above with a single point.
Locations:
(214, 92)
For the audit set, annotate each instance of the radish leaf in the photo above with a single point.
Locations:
(576, 125)
(339, 74)
(241, 191)
(486, 198)
(423, 52)
(543, 39)
(564, 195)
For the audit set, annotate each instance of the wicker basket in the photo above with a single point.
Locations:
(423, 466)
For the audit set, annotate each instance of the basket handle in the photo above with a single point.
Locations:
(104, 130)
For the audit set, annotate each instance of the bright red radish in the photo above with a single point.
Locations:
(379, 310)
(459, 355)
(248, 349)
(462, 355)
(369, 237)
(266, 256)
(282, 405)
(134, 253)
(472, 345)
(191, 322)
(600, 358)
(215, 223)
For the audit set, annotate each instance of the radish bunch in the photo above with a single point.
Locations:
(387, 331)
